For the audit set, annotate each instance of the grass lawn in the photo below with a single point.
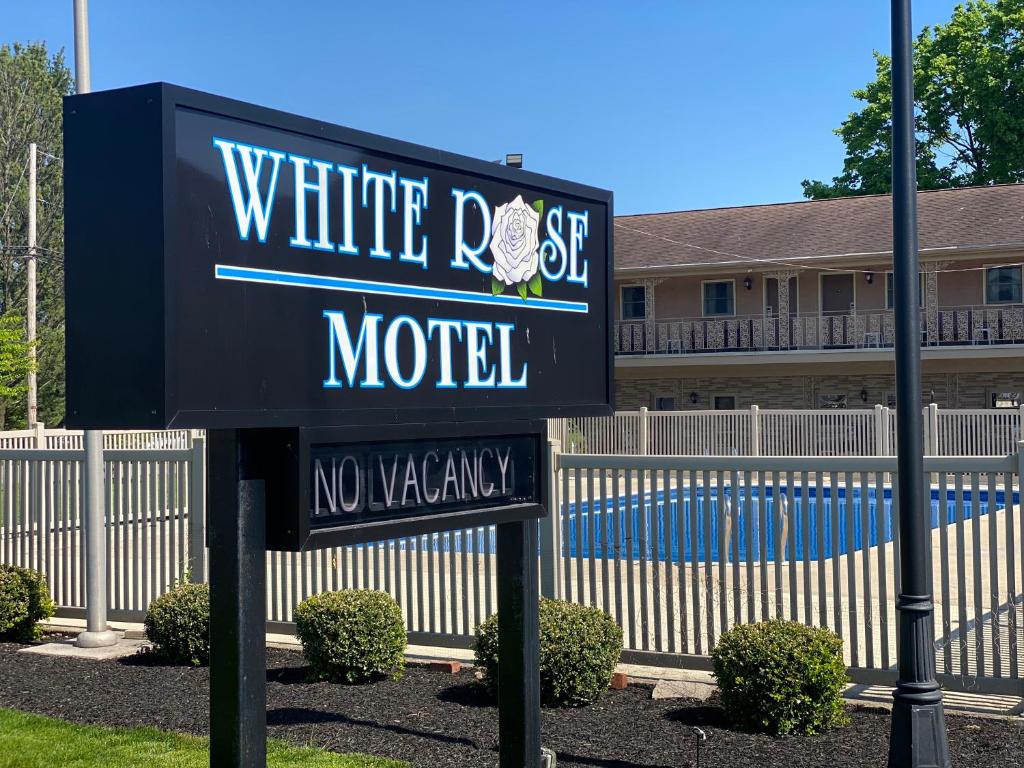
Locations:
(32, 741)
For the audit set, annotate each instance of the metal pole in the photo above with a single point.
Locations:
(238, 614)
(82, 79)
(918, 733)
(32, 195)
(518, 645)
(96, 634)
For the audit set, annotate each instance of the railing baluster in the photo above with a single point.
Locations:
(979, 605)
(630, 522)
(993, 564)
(961, 575)
(865, 553)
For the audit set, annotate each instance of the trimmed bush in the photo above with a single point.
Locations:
(579, 648)
(781, 677)
(24, 602)
(178, 624)
(352, 636)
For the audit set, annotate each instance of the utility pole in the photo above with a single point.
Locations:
(97, 634)
(918, 733)
(32, 195)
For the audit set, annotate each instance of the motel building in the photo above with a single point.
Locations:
(791, 305)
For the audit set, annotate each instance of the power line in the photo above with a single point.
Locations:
(14, 194)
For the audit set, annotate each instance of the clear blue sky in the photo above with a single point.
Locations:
(673, 104)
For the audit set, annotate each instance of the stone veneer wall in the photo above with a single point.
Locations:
(948, 390)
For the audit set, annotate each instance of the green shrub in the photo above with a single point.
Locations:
(780, 677)
(24, 602)
(579, 648)
(352, 636)
(178, 624)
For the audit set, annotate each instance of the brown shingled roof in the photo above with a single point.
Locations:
(951, 218)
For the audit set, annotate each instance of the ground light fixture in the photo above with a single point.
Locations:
(700, 736)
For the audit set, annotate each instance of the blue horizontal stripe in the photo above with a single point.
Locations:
(300, 280)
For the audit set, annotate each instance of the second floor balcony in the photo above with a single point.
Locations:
(856, 329)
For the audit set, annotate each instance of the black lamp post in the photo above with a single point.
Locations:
(918, 735)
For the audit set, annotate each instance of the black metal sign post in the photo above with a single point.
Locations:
(236, 531)
(918, 738)
(518, 645)
(371, 329)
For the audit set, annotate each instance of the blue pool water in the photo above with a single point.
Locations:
(666, 533)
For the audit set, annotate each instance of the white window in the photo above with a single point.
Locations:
(724, 402)
(1003, 285)
(832, 401)
(664, 403)
(890, 290)
(719, 297)
(633, 302)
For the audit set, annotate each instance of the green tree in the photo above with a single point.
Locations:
(969, 89)
(15, 363)
(32, 86)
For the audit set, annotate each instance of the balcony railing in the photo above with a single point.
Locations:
(947, 326)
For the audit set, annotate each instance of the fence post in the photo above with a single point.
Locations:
(551, 528)
(94, 531)
(643, 430)
(1020, 482)
(755, 430)
(1020, 427)
(197, 512)
(880, 423)
(932, 430)
(40, 434)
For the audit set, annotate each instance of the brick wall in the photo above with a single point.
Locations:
(948, 390)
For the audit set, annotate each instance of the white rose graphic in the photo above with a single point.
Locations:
(514, 242)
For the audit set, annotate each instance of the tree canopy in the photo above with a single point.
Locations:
(969, 90)
(32, 85)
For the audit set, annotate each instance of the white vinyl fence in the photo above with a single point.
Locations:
(152, 501)
(765, 432)
(676, 548)
(40, 437)
(680, 549)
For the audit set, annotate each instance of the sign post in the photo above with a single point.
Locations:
(373, 332)
(237, 540)
(518, 645)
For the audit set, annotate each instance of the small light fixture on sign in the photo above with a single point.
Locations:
(864, 395)
(694, 397)
(748, 283)
(514, 161)
(869, 277)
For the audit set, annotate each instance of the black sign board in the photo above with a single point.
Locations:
(230, 266)
(327, 487)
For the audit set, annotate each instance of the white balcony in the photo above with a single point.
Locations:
(859, 329)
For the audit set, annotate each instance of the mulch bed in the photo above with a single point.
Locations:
(433, 719)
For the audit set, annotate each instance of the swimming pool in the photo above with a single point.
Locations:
(660, 522)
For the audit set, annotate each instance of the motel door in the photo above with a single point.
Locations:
(836, 294)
